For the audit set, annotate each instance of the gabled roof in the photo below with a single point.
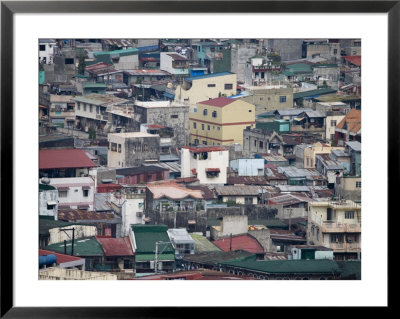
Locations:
(64, 158)
(354, 59)
(116, 246)
(351, 122)
(173, 191)
(240, 242)
(146, 237)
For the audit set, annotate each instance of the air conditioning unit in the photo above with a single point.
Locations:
(152, 264)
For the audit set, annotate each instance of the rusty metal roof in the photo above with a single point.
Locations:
(76, 214)
(116, 246)
(234, 190)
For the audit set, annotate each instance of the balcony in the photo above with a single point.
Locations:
(334, 227)
(345, 247)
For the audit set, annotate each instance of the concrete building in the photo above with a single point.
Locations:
(240, 54)
(171, 115)
(348, 129)
(260, 141)
(288, 49)
(62, 111)
(330, 168)
(321, 48)
(174, 63)
(204, 87)
(47, 49)
(240, 195)
(48, 201)
(260, 71)
(183, 243)
(336, 225)
(230, 225)
(208, 164)
(121, 59)
(132, 149)
(220, 121)
(63, 69)
(327, 75)
(75, 192)
(247, 166)
(305, 153)
(93, 110)
(270, 99)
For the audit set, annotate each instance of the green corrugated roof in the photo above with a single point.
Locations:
(82, 247)
(313, 93)
(298, 68)
(325, 66)
(149, 257)
(202, 244)
(95, 85)
(120, 52)
(44, 187)
(319, 266)
(146, 237)
(350, 268)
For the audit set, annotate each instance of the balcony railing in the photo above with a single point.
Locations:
(345, 247)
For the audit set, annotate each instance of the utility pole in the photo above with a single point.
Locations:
(165, 245)
(73, 238)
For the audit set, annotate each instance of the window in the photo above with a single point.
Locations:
(204, 142)
(194, 125)
(50, 206)
(205, 112)
(282, 99)
(79, 105)
(255, 143)
(332, 137)
(202, 127)
(336, 238)
(334, 51)
(214, 114)
(196, 142)
(248, 200)
(114, 147)
(119, 148)
(174, 116)
(333, 123)
(358, 184)
(228, 86)
(195, 110)
(349, 214)
(211, 85)
(42, 47)
(97, 109)
(91, 108)
(218, 128)
(84, 107)
(208, 127)
(69, 61)
(261, 144)
(62, 194)
(85, 193)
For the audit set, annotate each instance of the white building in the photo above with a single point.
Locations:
(75, 192)
(174, 63)
(208, 164)
(48, 201)
(47, 49)
(182, 242)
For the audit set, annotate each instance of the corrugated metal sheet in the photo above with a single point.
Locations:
(116, 246)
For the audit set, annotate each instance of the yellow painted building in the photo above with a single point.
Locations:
(204, 87)
(220, 121)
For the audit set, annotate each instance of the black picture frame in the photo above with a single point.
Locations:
(9, 8)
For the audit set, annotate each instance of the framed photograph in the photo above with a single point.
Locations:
(348, 29)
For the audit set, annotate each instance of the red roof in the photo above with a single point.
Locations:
(61, 258)
(206, 149)
(64, 158)
(355, 59)
(241, 242)
(219, 101)
(116, 246)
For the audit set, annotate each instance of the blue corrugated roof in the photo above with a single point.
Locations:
(211, 75)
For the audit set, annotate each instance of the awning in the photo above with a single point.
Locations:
(298, 119)
(62, 189)
(168, 95)
(191, 222)
(85, 187)
(83, 206)
(212, 170)
(51, 203)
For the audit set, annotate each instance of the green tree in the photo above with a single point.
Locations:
(92, 133)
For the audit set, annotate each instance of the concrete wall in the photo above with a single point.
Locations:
(270, 99)
(263, 237)
(132, 213)
(200, 91)
(48, 196)
(288, 49)
(57, 235)
(234, 225)
(239, 56)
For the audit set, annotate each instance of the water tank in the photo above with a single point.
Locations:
(47, 260)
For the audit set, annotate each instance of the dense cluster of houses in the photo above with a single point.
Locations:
(199, 159)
